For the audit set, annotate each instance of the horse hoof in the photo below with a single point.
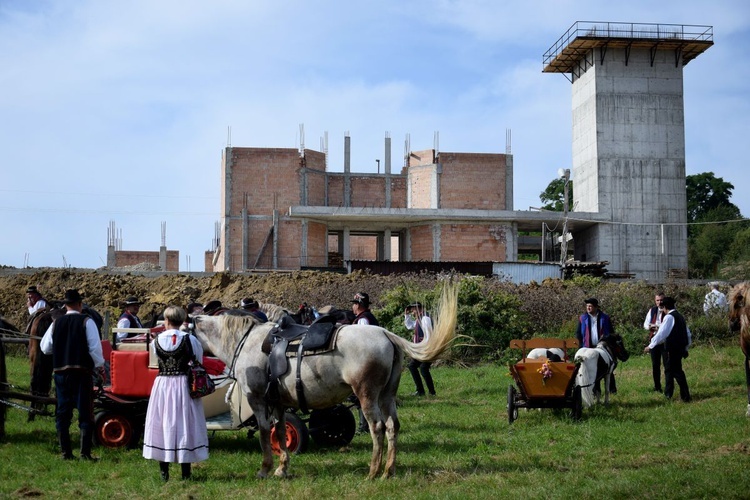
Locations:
(261, 475)
(280, 473)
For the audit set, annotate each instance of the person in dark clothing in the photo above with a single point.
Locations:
(251, 305)
(676, 337)
(361, 310)
(129, 317)
(416, 319)
(363, 316)
(76, 349)
(594, 326)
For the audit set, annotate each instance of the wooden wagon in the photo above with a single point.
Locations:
(541, 382)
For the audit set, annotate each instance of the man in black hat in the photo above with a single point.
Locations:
(34, 300)
(361, 310)
(76, 349)
(129, 317)
(250, 305)
(593, 326)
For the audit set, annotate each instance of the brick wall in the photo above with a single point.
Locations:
(421, 242)
(368, 191)
(472, 242)
(472, 181)
(124, 258)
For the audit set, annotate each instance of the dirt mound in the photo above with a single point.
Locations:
(104, 290)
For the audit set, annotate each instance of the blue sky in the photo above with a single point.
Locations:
(119, 111)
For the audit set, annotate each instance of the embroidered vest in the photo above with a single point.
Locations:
(173, 363)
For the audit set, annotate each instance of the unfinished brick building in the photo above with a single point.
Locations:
(281, 209)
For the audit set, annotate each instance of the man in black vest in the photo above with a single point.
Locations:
(658, 354)
(76, 349)
(676, 337)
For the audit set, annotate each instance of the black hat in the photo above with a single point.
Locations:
(72, 297)
(362, 299)
(32, 289)
(131, 301)
(592, 301)
(212, 307)
(193, 306)
(418, 305)
(249, 303)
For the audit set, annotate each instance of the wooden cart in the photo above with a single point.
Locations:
(533, 389)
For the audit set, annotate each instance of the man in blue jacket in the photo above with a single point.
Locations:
(594, 326)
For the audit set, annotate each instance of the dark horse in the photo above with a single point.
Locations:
(739, 321)
(40, 363)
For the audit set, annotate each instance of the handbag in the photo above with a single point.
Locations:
(200, 384)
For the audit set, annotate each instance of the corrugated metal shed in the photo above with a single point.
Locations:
(526, 272)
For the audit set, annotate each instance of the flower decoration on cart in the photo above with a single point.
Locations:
(546, 371)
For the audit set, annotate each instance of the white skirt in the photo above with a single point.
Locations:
(175, 429)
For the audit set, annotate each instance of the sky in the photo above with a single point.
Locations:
(118, 112)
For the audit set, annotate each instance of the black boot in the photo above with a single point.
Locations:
(67, 451)
(87, 439)
(164, 470)
(186, 473)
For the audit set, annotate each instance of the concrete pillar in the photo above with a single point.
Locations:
(163, 258)
(347, 171)
(245, 240)
(275, 239)
(436, 243)
(387, 160)
(346, 251)
(303, 245)
(387, 245)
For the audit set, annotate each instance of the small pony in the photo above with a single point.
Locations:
(739, 321)
(599, 363)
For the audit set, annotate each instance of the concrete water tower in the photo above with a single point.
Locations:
(629, 140)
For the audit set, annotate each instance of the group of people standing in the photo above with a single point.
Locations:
(669, 340)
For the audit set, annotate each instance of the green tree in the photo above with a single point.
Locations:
(553, 197)
(709, 243)
(706, 192)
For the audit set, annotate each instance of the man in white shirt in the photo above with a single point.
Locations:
(676, 337)
(76, 349)
(34, 300)
(715, 301)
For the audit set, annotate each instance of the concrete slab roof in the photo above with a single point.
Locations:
(377, 218)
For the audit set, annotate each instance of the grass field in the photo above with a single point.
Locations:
(455, 445)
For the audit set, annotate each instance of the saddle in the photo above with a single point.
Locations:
(290, 339)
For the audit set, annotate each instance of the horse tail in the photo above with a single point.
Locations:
(586, 374)
(444, 331)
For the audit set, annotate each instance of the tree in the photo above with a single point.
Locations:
(553, 197)
(705, 192)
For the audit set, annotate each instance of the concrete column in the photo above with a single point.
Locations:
(509, 182)
(387, 160)
(303, 245)
(347, 171)
(436, 243)
(163, 258)
(275, 239)
(245, 239)
(226, 215)
(346, 252)
(387, 245)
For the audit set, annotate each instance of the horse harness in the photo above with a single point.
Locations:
(289, 339)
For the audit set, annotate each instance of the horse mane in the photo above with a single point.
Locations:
(272, 311)
(233, 325)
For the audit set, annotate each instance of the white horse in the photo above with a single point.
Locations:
(596, 364)
(367, 360)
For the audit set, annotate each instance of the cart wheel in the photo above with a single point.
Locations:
(113, 430)
(333, 426)
(296, 435)
(577, 411)
(512, 410)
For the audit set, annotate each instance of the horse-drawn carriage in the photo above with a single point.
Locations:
(120, 405)
(544, 381)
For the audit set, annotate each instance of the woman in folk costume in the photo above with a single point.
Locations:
(175, 429)
(594, 326)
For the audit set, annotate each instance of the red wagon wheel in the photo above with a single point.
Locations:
(296, 435)
(113, 430)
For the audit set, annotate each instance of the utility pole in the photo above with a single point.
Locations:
(565, 174)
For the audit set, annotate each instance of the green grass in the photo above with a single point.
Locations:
(456, 445)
